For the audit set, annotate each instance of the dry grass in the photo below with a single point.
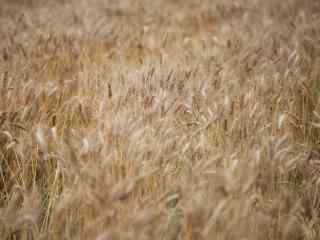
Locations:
(159, 119)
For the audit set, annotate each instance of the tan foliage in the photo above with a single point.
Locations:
(159, 119)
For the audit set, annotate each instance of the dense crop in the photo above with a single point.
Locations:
(159, 119)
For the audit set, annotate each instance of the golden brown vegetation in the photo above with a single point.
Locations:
(159, 119)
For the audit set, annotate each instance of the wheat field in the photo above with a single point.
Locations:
(168, 119)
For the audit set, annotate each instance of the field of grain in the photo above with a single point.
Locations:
(168, 119)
